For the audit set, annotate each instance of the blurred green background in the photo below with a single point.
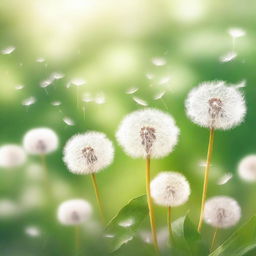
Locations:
(114, 46)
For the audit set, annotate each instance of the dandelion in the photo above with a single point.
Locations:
(74, 213)
(159, 61)
(148, 133)
(32, 231)
(12, 155)
(8, 208)
(221, 212)
(216, 106)
(170, 189)
(247, 168)
(89, 153)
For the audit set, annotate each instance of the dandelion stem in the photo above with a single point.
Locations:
(206, 177)
(46, 174)
(150, 207)
(169, 221)
(77, 239)
(98, 198)
(213, 239)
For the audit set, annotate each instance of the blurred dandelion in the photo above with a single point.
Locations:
(221, 212)
(12, 155)
(89, 153)
(40, 60)
(32, 231)
(148, 133)
(247, 168)
(8, 208)
(170, 189)
(158, 61)
(29, 101)
(214, 105)
(236, 32)
(19, 87)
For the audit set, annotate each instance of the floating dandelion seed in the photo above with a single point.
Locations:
(68, 121)
(32, 197)
(132, 90)
(56, 103)
(164, 80)
(228, 57)
(109, 235)
(46, 83)
(247, 168)
(236, 32)
(32, 231)
(74, 212)
(57, 75)
(100, 99)
(126, 223)
(148, 132)
(149, 76)
(8, 209)
(225, 179)
(12, 155)
(8, 50)
(40, 141)
(159, 61)
(29, 101)
(222, 212)
(159, 95)
(35, 172)
(216, 105)
(240, 84)
(78, 81)
(140, 101)
(170, 189)
(19, 87)
(40, 60)
(87, 97)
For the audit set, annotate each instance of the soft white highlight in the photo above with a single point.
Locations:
(88, 153)
(170, 189)
(74, 212)
(222, 212)
(148, 132)
(247, 168)
(12, 155)
(216, 105)
(40, 141)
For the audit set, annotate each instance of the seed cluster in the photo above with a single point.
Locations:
(148, 137)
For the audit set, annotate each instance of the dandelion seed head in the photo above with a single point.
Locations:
(170, 189)
(216, 105)
(74, 212)
(222, 212)
(40, 141)
(148, 132)
(247, 168)
(12, 155)
(88, 153)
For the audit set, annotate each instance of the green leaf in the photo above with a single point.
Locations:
(186, 239)
(241, 242)
(125, 224)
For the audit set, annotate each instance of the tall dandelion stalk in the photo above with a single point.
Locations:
(170, 189)
(148, 134)
(214, 105)
(88, 154)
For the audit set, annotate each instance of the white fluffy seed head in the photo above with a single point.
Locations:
(148, 132)
(74, 212)
(216, 105)
(88, 153)
(40, 141)
(11, 155)
(170, 189)
(222, 212)
(247, 168)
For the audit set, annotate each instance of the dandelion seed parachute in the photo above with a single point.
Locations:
(222, 212)
(40, 141)
(247, 168)
(74, 212)
(148, 132)
(88, 153)
(170, 189)
(216, 105)
(12, 155)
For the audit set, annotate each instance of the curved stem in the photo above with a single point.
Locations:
(206, 177)
(213, 239)
(98, 198)
(169, 222)
(150, 207)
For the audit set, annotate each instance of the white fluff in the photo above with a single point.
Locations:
(74, 212)
(148, 132)
(170, 189)
(216, 105)
(247, 168)
(222, 212)
(40, 141)
(88, 153)
(12, 155)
